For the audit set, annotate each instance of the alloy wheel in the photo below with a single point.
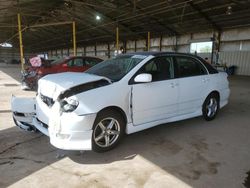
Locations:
(106, 132)
(211, 107)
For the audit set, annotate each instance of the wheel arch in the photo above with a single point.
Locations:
(116, 108)
(216, 93)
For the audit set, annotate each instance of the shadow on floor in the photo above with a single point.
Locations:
(187, 149)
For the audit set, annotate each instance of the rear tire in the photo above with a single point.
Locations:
(108, 130)
(211, 107)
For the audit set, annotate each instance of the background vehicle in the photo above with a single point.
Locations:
(127, 94)
(68, 64)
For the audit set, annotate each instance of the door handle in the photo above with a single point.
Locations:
(205, 80)
(173, 85)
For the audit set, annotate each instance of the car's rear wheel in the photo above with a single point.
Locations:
(211, 107)
(108, 130)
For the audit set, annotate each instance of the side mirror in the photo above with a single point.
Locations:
(64, 65)
(143, 78)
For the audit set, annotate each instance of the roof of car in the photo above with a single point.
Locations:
(71, 57)
(158, 53)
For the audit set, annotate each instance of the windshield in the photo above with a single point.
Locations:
(115, 69)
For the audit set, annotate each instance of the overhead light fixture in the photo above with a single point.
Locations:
(229, 10)
(6, 45)
(68, 4)
(98, 17)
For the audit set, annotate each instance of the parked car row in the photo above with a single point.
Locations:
(132, 92)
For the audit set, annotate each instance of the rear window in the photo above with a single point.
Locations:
(188, 66)
(209, 67)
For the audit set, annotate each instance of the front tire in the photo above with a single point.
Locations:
(108, 130)
(210, 107)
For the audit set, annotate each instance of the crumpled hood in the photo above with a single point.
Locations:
(54, 84)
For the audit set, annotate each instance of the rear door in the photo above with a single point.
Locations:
(193, 83)
(158, 99)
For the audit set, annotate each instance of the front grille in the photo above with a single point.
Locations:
(47, 100)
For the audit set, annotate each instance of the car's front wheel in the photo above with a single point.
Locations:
(210, 107)
(108, 130)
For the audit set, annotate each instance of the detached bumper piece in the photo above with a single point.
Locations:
(34, 125)
(25, 126)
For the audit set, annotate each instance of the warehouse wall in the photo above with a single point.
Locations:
(8, 55)
(12, 56)
(234, 47)
(235, 50)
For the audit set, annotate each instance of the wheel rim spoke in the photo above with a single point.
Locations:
(107, 140)
(209, 112)
(211, 103)
(102, 126)
(99, 137)
(111, 124)
(211, 107)
(113, 132)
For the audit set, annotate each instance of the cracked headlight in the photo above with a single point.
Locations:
(69, 105)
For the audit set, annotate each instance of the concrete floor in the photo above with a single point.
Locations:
(190, 153)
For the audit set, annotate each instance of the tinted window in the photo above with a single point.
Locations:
(70, 63)
(161, 68)
(187, 66)
(78, 62)
(92, 62)
(209, 67)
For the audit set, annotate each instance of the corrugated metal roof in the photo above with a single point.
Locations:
(134, 18)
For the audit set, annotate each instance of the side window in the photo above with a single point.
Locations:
(188, 66)
(91, 62)
(78, 62)
(70, 63)
(161, 68)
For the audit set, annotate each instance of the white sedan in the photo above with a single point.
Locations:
(130, 93)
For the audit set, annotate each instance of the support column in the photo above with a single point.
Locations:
(117, 39)
(160, 43)
(84, 51)
(20, 40)
(95, 50)
(148, 41)
(74, 37)
(108, 50)
(135, 45)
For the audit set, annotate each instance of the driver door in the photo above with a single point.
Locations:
(158, 99)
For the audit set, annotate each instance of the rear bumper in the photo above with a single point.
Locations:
(224, 96)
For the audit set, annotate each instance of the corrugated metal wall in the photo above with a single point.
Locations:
(239, 58)
(234, 48)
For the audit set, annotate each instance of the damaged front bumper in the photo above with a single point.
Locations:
(67, 131)
(23, 112)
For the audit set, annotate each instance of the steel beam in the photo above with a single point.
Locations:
(20, 40)
(74, 37)
(204, 15)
